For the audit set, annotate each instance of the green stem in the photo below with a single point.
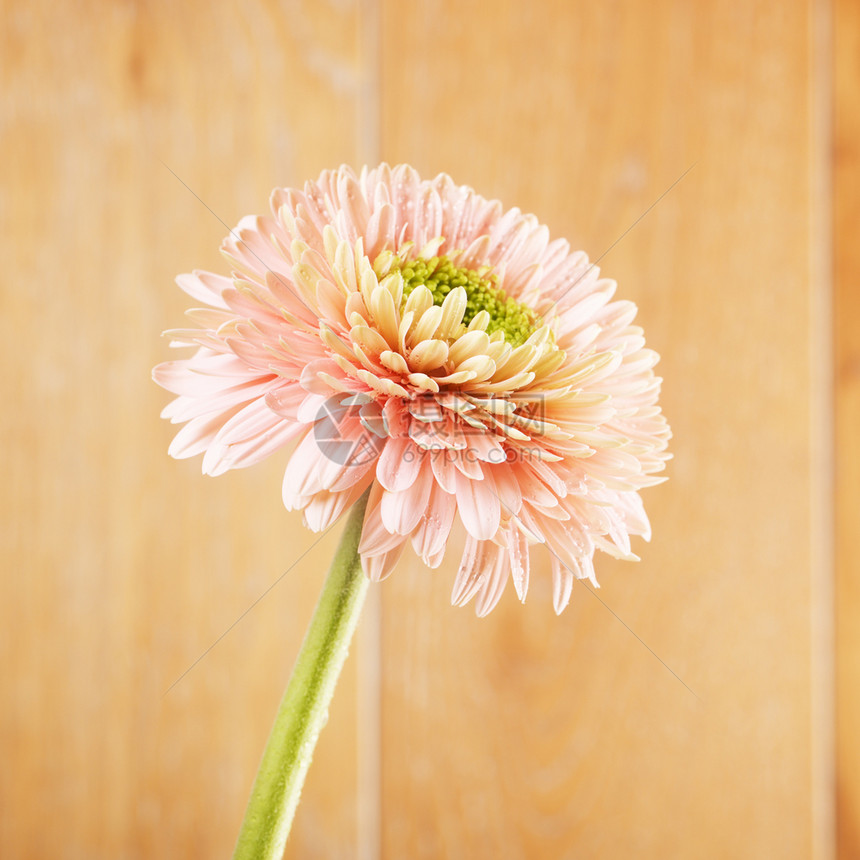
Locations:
(304, 708)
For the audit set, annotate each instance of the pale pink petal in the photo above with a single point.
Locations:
(518, 553)
(375, 537)
(196, 436)
(399, 463)
(484, 446)
(314, 376)
(257, 448)
(377, 567)
(251, 247)
(467, 465)
(478, 505)
(562, 584)
(205, 287)
(313, 407)
(506, 479)
(401, 511)
(532, 488)
(250, 435)
(434, 528)
(479, 561)
(444, 470)
(325, 507)
(184, 408)
(493, 586)
(310, 470)
(380, 230)
(286, 400)
(183, 377)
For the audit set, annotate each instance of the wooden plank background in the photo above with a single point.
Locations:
(846, 259)
(681, 711)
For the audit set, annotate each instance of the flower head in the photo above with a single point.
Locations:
(416, 339)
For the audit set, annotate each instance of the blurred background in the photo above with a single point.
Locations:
(703, 703)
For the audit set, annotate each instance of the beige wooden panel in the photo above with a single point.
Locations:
(846, 212)
(120, 566)
(523, 735)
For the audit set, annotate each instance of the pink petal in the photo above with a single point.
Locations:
(196, 436)
(533, 489)
(401, 511)
(250, 249)
(484, 446)
(309, 471)
(399, 464)
(311, 380)
(184, 408)
(285, 401)
(467, 465)
(562, 585)
(375, 538)
(378, 567)
(181, 377)
(478, 561)
(434, 528)
(313, 408)
(205, 287)
(518, 553)
(325, 508)
(380, 231)
(443, 470)
(478, 505)
(508, 490)
(493, 586)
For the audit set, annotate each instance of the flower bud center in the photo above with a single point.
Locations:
(514, 319)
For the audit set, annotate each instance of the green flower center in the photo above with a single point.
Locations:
(515, 320)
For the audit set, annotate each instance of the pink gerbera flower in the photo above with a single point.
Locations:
(418, 340)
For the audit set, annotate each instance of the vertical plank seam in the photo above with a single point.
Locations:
(822, 435)
(369, 705)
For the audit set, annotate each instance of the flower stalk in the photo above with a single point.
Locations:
(304, 708)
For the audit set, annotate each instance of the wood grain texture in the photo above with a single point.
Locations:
(846, 217)
(523, 735)
(520, 735)
(121, 566)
